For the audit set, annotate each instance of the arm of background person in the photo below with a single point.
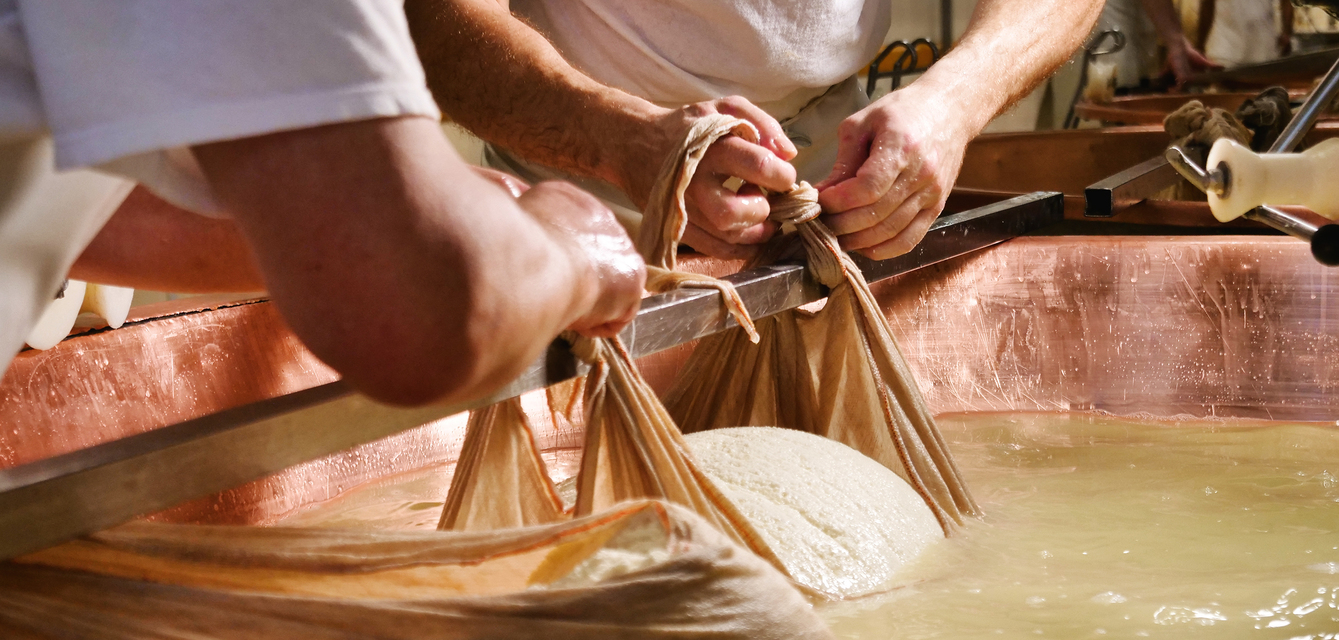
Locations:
(1286, 17)
(152, 244)
(1182, 57)
(897, 159)
(1207, 10)
(500, 78)
(414, 277)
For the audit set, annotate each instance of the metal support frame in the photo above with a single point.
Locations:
(1324, 240)
(1091, 52)
(1109, 196)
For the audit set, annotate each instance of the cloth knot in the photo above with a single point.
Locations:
(587, 350)
(800, 204)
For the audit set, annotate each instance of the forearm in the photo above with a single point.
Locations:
(409, 274)
(498, 77)
(150, 244)
(1010, 47)
(1166, 22)
(1207, 10)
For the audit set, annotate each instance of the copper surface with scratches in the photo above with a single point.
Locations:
(1234, 326)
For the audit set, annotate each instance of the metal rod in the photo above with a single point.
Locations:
(1308, 113)
(1283, 221)
(1140, 182)
(57, 499)
(946, 24)
(1110, 195)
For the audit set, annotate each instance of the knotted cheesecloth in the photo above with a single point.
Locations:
(835, 373)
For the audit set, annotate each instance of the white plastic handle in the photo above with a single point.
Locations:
(110, 303)
(1309, 179)
(58, 318)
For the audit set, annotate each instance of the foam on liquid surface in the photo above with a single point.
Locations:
(1105, 528)
(1095, 528)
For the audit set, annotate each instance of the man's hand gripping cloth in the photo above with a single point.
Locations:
(641, 570)
(851, 386)
(836, 372)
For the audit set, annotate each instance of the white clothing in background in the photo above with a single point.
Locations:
(1139, 59)
(780, 54)
(134, 82)
(1244, 32)
(127, 86)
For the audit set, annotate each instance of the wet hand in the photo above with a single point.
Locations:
(727, 219)
(611, 274)
(897, 160)
(1184, 60)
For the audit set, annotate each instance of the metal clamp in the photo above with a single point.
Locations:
(1091, 52)
(907, 61)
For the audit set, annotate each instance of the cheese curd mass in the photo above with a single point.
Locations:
(839, 521)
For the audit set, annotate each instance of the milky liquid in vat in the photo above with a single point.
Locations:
(1095, 527)
(1103, 528)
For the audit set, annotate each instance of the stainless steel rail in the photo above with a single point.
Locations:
(54, 500)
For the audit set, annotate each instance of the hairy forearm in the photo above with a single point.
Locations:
(151, 244)
(409, 274)
(1010, 47)
(496, 76)
(1166, 22)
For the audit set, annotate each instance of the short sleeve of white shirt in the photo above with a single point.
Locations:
(129, 85)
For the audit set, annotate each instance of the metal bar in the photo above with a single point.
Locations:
(1306, 115)
(946, 24)
(1283, 221)
(54, 500)
(1144, 180)
(1128, 188)
(1303, 67)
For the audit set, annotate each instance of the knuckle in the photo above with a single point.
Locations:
(848, 129)
(757, 161)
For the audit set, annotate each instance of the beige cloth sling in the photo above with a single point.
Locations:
(513, 563)
(566, 580)
(836, 373)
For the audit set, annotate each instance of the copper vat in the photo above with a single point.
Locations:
(1234, 326)
(1151, 109)
(1008, 164)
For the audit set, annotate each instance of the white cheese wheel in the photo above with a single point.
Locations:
(58, 318)
(109, 303)
(840, 522)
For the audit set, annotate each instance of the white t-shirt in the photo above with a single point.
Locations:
(127, 85)
(779, 54)
(1244, 32)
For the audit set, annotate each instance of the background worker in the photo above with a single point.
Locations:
(605, 89)
(1237, 32)
(311, 126)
